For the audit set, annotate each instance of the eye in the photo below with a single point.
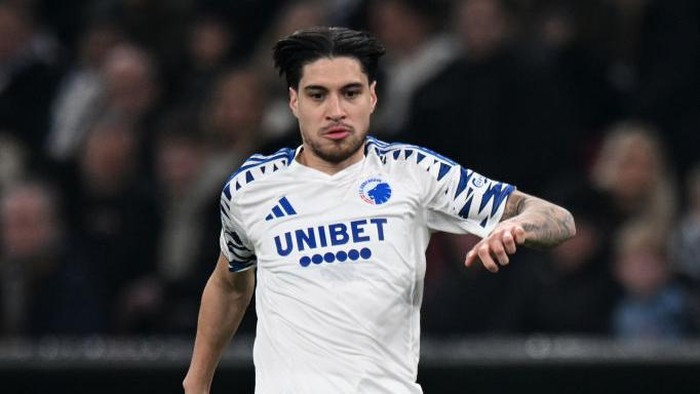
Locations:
(316, 96)
(352, 93)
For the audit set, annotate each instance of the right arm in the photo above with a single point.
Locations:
(224, 302)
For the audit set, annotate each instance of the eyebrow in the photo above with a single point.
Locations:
(323, 88)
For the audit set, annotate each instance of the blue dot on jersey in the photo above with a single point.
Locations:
(305, 261)
(329, 257)
(317, 259)
(341, 256)
(365, 253)
(353, 254)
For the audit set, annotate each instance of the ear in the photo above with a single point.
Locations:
(294, 102)
(373, 95)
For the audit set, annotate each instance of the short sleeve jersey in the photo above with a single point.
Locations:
(340, 261)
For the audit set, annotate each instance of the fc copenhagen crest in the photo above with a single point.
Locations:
(375, 191)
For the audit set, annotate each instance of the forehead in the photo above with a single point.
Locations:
(332, 72)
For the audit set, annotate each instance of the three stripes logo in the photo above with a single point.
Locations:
(281, 209)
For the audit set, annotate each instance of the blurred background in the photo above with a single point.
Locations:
(120, 120)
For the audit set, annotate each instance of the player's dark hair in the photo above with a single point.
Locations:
(302, 47)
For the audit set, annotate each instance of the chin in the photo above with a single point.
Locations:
(338, 152)
(336, 156)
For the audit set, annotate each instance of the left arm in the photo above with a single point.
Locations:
(528, 221)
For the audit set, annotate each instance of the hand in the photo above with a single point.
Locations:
(497, 246)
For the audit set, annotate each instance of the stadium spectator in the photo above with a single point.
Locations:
(569, 290)
(181, 271)
(632, 169)
(231, 123)
(278, 123)
(114, 211)
(47, 286)
(29, 74)
(461, 112)
(418, 49)
(208, 51)
(653, 305)
(14, 162)
(79, 98)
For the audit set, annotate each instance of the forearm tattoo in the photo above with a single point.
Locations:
(546, 224)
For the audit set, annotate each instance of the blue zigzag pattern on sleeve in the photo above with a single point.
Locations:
(255, 167)
(436, 164)
(242, 256)
(439, 166)
(496, 192)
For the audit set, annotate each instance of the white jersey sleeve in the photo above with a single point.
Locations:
(455, 199)
(463, 200)
(233, 242)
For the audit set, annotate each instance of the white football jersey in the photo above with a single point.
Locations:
(341, 259)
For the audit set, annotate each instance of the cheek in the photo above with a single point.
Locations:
(305, 126)
(310, 117)
(363, 114)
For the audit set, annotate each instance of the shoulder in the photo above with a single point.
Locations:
(411, 157)
(255, 168)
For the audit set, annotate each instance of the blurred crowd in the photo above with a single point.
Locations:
(120, 121)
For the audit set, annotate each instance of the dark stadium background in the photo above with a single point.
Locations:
(121, 120)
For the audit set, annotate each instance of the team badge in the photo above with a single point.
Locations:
(478, 180)
(375, 191)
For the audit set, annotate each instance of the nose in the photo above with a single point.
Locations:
(334, 109)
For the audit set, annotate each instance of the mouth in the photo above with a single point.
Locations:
(337, 132)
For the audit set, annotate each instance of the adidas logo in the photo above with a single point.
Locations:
(281, 209)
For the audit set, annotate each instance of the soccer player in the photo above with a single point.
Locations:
(335, 232)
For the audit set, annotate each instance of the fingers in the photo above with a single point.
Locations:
(471, 256)
(481, 252)
(499, 252)
(484, 252)
(519, 234)
(509, 243)
(496, 248)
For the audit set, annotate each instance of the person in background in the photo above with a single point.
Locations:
(14, 161)
(419, 48)
(570, 289)
(78, 101)
(180, 156)
(132, 91)
(569, 40)
(653, 305)
(29, 75)
(461, 111)
(653, 58)
(632, 170)
(119, 81)
(278, 123)
(231, 125)
(47, 286)
(114, 211)
(208, 51)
